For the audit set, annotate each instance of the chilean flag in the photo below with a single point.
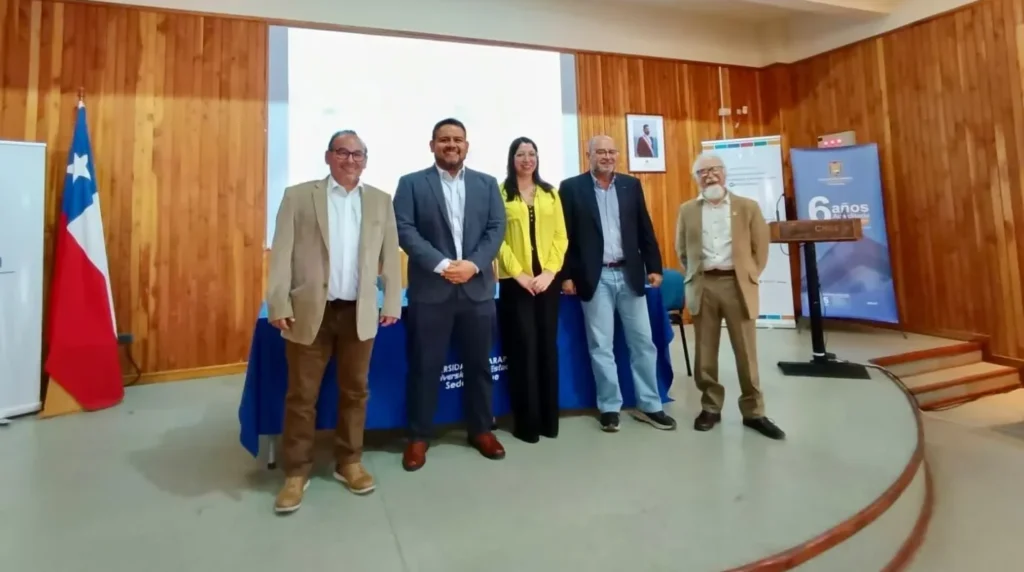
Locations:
(83, 357)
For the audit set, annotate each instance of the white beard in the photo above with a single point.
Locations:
(713, 192)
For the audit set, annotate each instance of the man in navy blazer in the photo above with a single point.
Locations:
(451, 223)
(612, 255)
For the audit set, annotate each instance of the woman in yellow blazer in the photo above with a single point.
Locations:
(530, 257)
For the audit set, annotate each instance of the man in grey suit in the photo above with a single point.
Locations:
(451, 223)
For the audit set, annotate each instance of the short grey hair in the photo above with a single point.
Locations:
(705, 160)
(345, 133)
(590, 144)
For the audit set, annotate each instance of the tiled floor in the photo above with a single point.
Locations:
(161, 483)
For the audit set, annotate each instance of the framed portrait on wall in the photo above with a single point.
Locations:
(646, 135)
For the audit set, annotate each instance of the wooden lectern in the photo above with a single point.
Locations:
(807, 233)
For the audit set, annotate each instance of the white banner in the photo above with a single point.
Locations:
(754, 171)
(22, 205)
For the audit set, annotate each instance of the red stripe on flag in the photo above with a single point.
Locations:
(83, 355)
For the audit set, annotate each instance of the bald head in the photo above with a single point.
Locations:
(602, 153)
(599, 141)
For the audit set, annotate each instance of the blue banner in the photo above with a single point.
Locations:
(856, 277)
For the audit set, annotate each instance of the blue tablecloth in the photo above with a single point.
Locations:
(261, 411)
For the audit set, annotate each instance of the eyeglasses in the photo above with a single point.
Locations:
(708, 171)
(356, 156)
(606, 152)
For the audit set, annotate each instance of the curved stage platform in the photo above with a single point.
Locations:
(847, 491)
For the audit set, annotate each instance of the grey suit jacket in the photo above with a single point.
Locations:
(425, 234)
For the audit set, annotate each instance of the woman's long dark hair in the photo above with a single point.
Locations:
(512, 179)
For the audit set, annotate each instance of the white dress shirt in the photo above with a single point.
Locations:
(344, 219)
(716, 237)
(454, 188)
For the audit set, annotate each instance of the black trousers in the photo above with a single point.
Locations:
(529, 337)
(430, 329)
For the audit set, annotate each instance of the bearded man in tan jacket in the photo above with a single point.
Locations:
(722, 244)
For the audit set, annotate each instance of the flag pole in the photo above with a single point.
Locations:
(82, 262)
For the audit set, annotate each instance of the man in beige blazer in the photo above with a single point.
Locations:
(334, 237)
(722, 243)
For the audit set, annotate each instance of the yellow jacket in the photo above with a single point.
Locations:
(515, 256)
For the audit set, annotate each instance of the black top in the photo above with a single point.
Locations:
(533, 241)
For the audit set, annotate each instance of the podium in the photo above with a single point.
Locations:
(806, 233)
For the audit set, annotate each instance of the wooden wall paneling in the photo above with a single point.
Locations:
(976, 230)
(688, 96)
(901, 152)
(885, 140)
(1010, 15)
(177, 111)
(943, 100)
(973, 310)
(1009, 153)
(741, 87)
(662, 198)
(775, 99)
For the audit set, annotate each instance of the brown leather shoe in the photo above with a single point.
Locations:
(488, 446)
(355, 478)
(706, 421)
(289, 499)
(415, 455)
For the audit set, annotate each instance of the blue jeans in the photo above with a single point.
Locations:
(614, 295)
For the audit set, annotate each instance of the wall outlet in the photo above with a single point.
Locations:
(124, 339)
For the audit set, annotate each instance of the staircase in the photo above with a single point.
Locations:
(948, 375)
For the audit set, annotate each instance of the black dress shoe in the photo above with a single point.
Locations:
(766, 427)
(706, 421)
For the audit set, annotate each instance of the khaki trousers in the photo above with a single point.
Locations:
(306, 364)
(722, 299)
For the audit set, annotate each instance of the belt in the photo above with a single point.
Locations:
(615, 264)
(340, 303)
(719, 272)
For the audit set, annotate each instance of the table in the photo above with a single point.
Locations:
(261, 412)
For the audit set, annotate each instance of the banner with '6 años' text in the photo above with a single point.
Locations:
(856, 277)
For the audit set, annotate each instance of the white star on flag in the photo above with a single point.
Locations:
(79, 168)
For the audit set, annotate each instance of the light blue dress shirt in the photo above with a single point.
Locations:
(611, 227)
